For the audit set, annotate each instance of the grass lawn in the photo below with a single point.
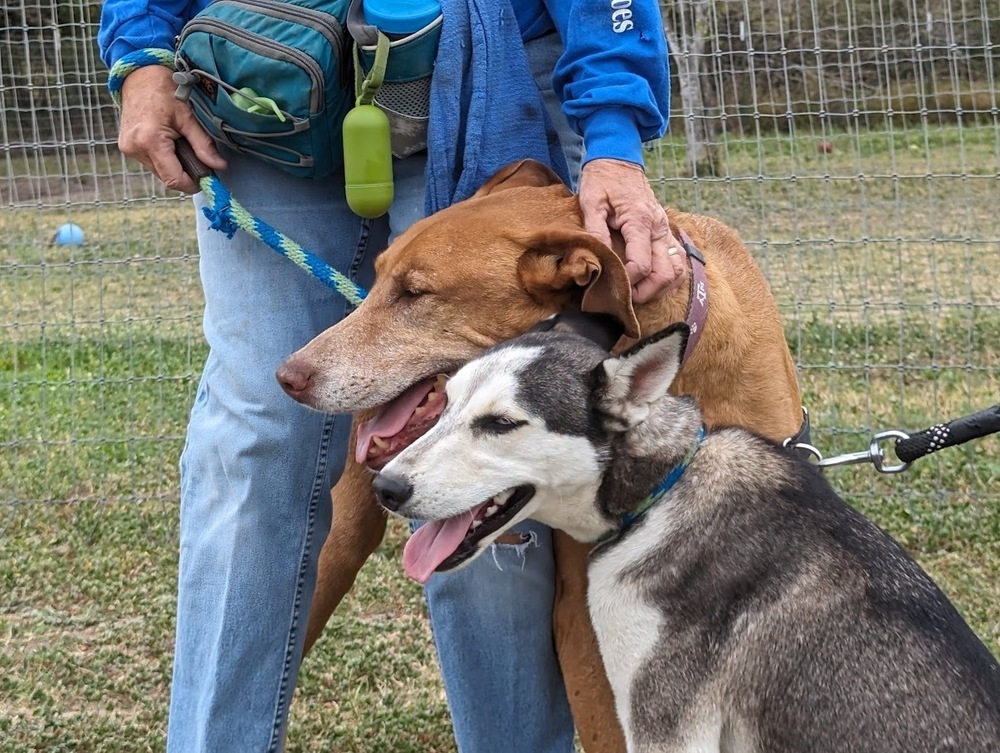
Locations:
(882, 252)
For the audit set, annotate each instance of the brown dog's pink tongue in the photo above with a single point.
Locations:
(434, 542)
(392, 418)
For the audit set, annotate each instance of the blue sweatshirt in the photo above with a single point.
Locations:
(613, 78)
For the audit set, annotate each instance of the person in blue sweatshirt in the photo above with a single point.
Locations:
(257, 467)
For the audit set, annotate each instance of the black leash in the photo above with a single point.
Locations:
(910, 447)
(956, 432)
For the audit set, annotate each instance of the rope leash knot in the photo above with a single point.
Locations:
(224, 213)
(220, 209)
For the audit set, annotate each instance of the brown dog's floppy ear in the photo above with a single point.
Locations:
(527, 172)
(559, 262)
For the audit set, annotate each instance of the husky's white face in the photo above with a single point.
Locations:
(528, 432)
(505, 449)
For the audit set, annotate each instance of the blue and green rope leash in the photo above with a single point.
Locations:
(227, 215)
(223, 211)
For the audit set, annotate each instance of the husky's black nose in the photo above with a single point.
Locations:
(392, 491)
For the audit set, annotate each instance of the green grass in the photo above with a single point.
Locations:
(886, 283)
(87, 627)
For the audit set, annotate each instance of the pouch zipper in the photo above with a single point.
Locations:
(264, 46)
(329, 26)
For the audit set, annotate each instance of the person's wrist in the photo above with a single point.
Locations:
(599, 163)
(147, 79)
(150, 59)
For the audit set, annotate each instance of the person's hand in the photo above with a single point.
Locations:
(615, 195)
(152, 120)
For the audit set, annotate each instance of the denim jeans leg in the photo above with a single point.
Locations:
(542, 56)
(256, 468)
(492, 627)
(410, 189)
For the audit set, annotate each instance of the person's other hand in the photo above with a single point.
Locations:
(152, 120)
(615, 195)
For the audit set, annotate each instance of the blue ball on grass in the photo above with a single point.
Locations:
(68, 235)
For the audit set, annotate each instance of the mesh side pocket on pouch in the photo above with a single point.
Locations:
(405, 92)
(408, 106)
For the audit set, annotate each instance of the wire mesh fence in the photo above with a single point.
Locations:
(854, 145)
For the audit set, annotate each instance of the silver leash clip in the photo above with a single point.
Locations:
(875, 454)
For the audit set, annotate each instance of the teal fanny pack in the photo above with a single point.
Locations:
(271, 78)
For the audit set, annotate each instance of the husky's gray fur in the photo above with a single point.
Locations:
(750, 609)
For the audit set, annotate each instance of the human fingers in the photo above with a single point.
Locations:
(203, 145)
(666, 272)
(639, 259)
(162, 155)
(595, 208)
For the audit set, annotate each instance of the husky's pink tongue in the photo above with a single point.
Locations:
(434, 542)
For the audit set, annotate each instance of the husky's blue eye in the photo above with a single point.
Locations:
(496, 424)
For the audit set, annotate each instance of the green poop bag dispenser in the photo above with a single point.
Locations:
(367, 143)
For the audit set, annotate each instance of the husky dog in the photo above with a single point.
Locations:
(739, 603)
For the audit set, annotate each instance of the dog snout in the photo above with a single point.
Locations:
(392, 491)
(296, 378)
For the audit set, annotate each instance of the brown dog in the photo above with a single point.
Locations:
(488, 269)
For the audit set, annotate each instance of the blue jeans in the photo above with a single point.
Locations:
(256, 474)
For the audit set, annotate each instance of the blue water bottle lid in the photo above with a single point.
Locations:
(400, 16)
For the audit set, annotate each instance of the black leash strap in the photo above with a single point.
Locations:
(949, 434)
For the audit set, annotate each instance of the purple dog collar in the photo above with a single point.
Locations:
(697, 312)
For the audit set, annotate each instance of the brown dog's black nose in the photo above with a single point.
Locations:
(295, 378)
(392, 491)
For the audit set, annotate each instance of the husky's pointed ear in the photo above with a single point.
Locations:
(527, 172)
(562, 265)
(603, 329)
(628, 386)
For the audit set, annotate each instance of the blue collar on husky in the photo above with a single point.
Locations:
(629, 519)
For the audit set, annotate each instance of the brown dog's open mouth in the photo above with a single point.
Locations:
(401, 422)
